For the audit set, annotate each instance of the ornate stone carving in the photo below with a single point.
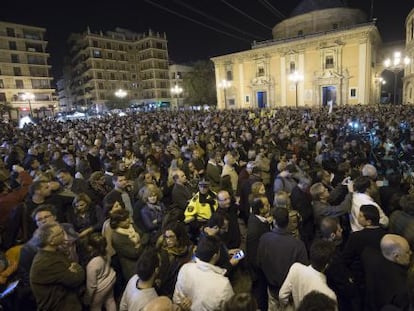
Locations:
(261, 81)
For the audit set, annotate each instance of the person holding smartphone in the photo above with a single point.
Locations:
(203, 281)
(217, 226)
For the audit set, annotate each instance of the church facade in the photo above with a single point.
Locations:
(408, 81)
(323, 54)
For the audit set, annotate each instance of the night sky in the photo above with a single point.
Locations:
(187, 40)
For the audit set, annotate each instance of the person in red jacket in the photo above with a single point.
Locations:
(10, 198)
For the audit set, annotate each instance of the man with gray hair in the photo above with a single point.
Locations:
(370, 171)
(386, 273)
(55, 280)
(321, 206)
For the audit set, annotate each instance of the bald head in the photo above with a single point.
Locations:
(162, 303)
(395, 248)
(224, 199)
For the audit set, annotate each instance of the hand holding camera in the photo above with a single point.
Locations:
(349, 184)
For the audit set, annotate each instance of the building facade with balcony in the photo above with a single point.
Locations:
(332, 47)
(102, 63)
(24, 69)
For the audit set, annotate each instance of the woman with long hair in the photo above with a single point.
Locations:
(100, 277)
(175, 250)
(85, 216)
(126, 241)
(107, 231)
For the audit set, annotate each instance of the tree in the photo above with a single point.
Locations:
(200, 84)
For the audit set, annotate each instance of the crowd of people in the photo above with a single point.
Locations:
(277, 209)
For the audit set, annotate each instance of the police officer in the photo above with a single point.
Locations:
(200, 208)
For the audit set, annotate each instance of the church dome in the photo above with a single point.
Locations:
(307, 6)
(318, 16)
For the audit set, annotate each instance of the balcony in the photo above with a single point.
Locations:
(38, 74)
(42, 87)
(35, 49)
(33, 36)
(36, 61)
(10, 35)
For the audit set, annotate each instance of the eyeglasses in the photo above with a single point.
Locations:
(43, 218)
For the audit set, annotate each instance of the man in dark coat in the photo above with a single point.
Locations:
(277, 251)
(119, 192)
(386, 273)
(302, 202)
(226, 206)
(370, 236)
(245, 189)
(182, 192)
(258, 224)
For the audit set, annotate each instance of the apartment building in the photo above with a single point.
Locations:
(25, 79)
(102, 63)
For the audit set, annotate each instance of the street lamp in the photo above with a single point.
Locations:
(29, 97)
(120, 93)
(396, 65)
(224, 84)
(379, 81)
(296, 77)
(177, 91)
